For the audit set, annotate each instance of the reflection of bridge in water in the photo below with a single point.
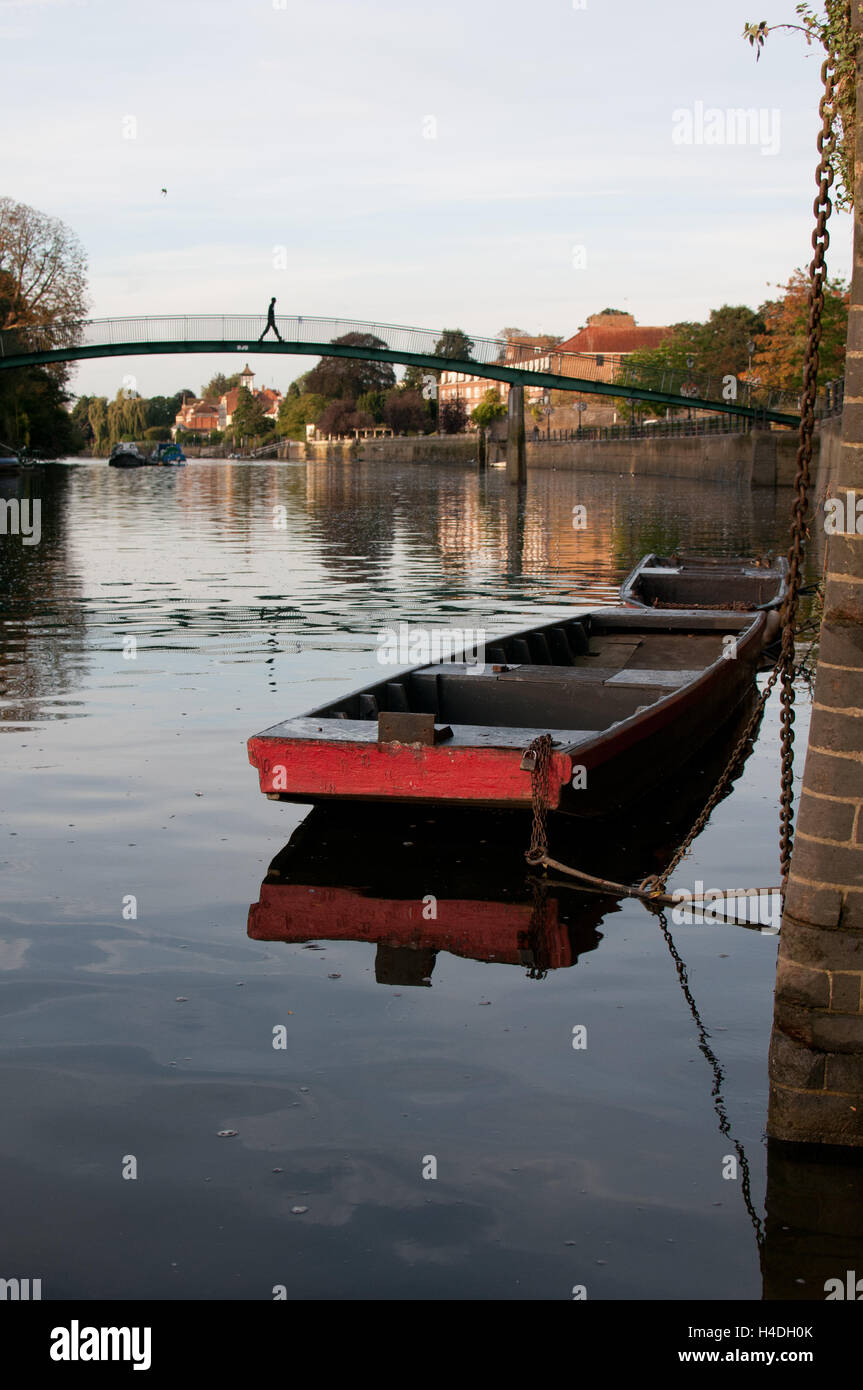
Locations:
(519, 364)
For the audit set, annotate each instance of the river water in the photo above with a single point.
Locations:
(428, 1112)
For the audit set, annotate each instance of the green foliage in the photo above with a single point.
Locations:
(297, 411)
(373, 403)
(126, 417)
(490, 408)
(413, 378)
(249, 419)
(162, 410)
(347, 378)
(454, 342)
(157, 433)
(33, 413)
(218, 385)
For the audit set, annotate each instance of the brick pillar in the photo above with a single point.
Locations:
(816, 1052)
(516, 458)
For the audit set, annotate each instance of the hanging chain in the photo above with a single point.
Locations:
(656, 882)
(822, 208)
(539, 795)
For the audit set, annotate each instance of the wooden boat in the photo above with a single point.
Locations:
(698, 581)
(372, 878)
(628, 696)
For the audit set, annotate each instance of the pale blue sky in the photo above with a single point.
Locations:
(305, 126)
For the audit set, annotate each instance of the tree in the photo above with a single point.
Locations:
(452, 416)
(454, 342)
(342, 417)
(406, 412)
(373, 403)
(414, 378)
(42, 284)
(219, 385)
(126, 417)
(297, 411)
(778, 360)
(346, 378)
(490, 408)
(44, 271)
(162, 410)
(248, 417)
(97, 417)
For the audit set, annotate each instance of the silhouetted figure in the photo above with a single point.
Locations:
(271, 322)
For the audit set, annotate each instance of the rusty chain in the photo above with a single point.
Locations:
(539, 795)
(656, 882)
(822, 207)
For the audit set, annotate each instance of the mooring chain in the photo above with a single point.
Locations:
(656, 882)
(822, 208)
(718, 1076)
(537, 759)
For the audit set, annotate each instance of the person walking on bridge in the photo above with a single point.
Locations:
(271, 322)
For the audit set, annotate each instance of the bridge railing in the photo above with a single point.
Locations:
(238, 332)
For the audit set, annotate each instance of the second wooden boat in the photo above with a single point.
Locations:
(706, 581)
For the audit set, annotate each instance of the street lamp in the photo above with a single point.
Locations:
(631, 403)
(546, 405)
(690, 363)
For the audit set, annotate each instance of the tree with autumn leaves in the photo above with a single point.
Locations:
(779, 350)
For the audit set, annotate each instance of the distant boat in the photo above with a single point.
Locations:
(168, 455)
(10, 460)
(126, 456)
(165, 455)
(13, 459)
(706, 581)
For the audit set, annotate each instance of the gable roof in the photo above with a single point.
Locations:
(610, 339)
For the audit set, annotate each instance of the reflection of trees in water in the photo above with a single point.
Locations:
(358, 539)
(42, 623)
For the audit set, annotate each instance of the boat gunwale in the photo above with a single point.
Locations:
(616, 735)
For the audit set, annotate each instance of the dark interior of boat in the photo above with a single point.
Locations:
(578, 675)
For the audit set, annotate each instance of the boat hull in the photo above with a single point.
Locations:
(664, 717)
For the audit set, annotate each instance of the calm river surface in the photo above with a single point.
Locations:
(138, 1015)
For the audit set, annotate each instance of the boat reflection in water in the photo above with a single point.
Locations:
(416, 883)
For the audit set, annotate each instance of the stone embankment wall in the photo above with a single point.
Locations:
(764, 458)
